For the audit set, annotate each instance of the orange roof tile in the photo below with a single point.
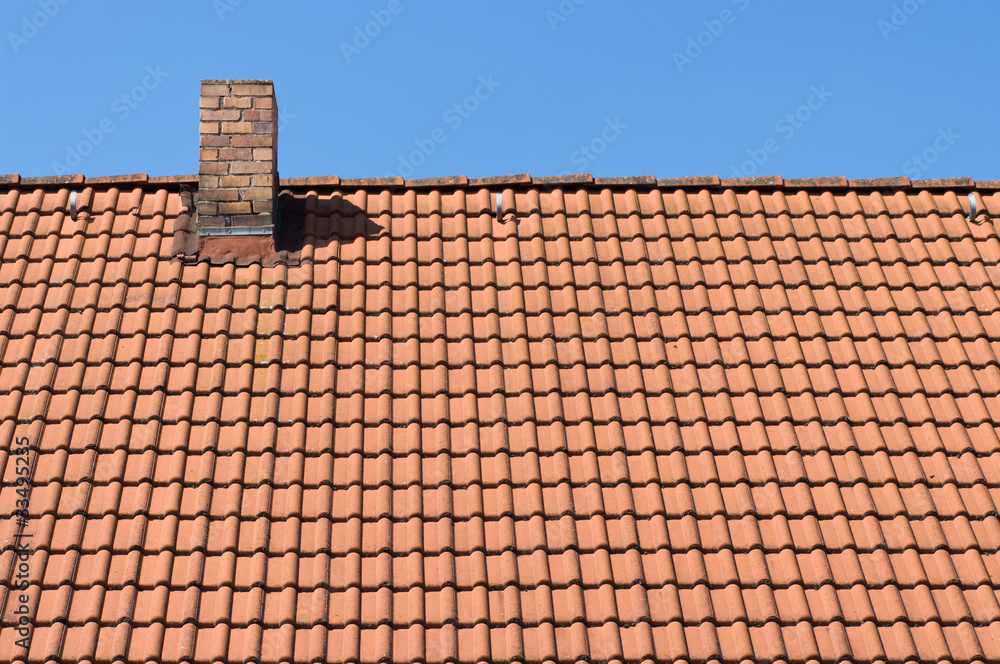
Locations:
(629, 420)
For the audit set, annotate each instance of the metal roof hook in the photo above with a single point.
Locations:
(72, 205)
(974, 210)
(501, 217)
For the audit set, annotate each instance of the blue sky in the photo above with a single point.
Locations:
(420, 89)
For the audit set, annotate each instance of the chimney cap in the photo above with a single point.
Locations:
(236, 81)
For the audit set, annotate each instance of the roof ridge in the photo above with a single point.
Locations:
(700, 182)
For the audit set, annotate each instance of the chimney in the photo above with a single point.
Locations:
(238, 163)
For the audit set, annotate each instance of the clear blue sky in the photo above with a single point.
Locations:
(872, 88)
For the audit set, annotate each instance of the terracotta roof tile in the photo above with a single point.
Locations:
(632, 419)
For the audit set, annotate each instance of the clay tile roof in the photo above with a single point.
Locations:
(631, 420)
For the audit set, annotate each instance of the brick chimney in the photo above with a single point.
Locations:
(238, 163)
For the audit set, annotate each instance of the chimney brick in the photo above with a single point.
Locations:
(238, 166)
(237, 102)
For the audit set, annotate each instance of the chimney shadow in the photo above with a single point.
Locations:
(334, 218)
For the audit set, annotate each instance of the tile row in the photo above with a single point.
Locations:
(565, 260)
(216, 532)
(228, 374)
(431, 410)
(877, 365)
(642, 642)
(703, 339)
(966, 592)
(716, 445)
(570, 263)
(561, 607)
(797, 576)
(564, 199)
(515, 455)
(453, 489)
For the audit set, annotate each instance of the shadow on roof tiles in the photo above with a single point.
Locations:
(346, 222)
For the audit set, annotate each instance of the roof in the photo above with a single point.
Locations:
(628, 420)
